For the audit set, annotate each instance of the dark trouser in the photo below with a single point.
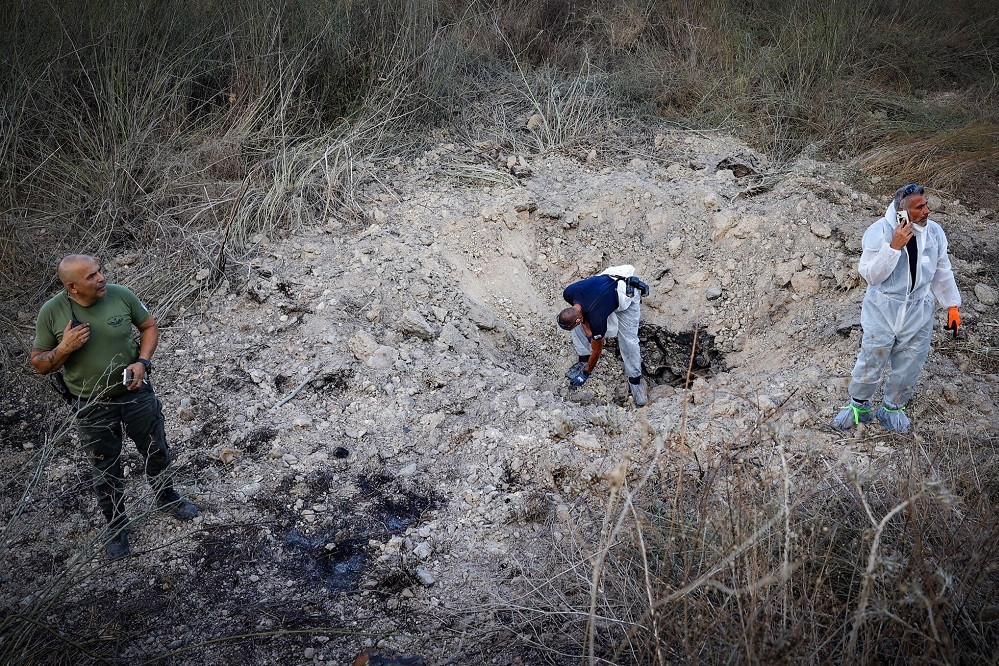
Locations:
(100, 427)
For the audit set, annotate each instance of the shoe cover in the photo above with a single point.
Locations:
(894, 418)
(852, 415)
(639, 393)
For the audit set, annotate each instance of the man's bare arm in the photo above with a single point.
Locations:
(149, 336)
(596, 348)
(46, 361)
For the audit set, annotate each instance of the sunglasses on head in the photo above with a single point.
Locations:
(911, 189)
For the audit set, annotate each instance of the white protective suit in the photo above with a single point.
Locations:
(897, 317)
(621, 324)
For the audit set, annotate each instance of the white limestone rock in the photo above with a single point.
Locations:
(985, 294)
(362, 345)
(821, 229)
(413, 323)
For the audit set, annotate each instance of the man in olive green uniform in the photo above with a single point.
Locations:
(86, 331)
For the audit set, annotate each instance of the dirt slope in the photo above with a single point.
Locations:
(432, 451)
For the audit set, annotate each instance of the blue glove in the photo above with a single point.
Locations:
(574, 370)
(579, 378)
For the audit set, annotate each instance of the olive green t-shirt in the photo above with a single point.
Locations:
(95, 368)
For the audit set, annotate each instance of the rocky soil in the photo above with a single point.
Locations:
(374, 419)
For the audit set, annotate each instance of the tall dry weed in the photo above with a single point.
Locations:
(136, 126)
(798, 559)
(946, 159)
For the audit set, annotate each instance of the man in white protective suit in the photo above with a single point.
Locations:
(907, 269)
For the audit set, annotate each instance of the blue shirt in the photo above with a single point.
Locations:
(597, 296)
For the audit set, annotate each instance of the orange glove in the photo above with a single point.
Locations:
(953, 319)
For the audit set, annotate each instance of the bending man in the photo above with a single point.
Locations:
(907, 269)
(86, 331)
(606, 306)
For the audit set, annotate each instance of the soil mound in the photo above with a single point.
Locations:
(374, 418)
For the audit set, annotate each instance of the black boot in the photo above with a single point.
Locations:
(178, 507)
(117, 545)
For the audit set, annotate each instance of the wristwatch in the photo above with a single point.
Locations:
(146, 364)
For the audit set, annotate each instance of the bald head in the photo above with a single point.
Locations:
(83, 278)
(568, 318)
(74, 267)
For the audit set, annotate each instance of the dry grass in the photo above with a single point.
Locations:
(798, 559)
(947, 159)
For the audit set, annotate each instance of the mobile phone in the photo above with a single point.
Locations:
(902, 216)
(74, 322)
(127, 377)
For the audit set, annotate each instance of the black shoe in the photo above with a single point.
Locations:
(117, 547)
(179, 508)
